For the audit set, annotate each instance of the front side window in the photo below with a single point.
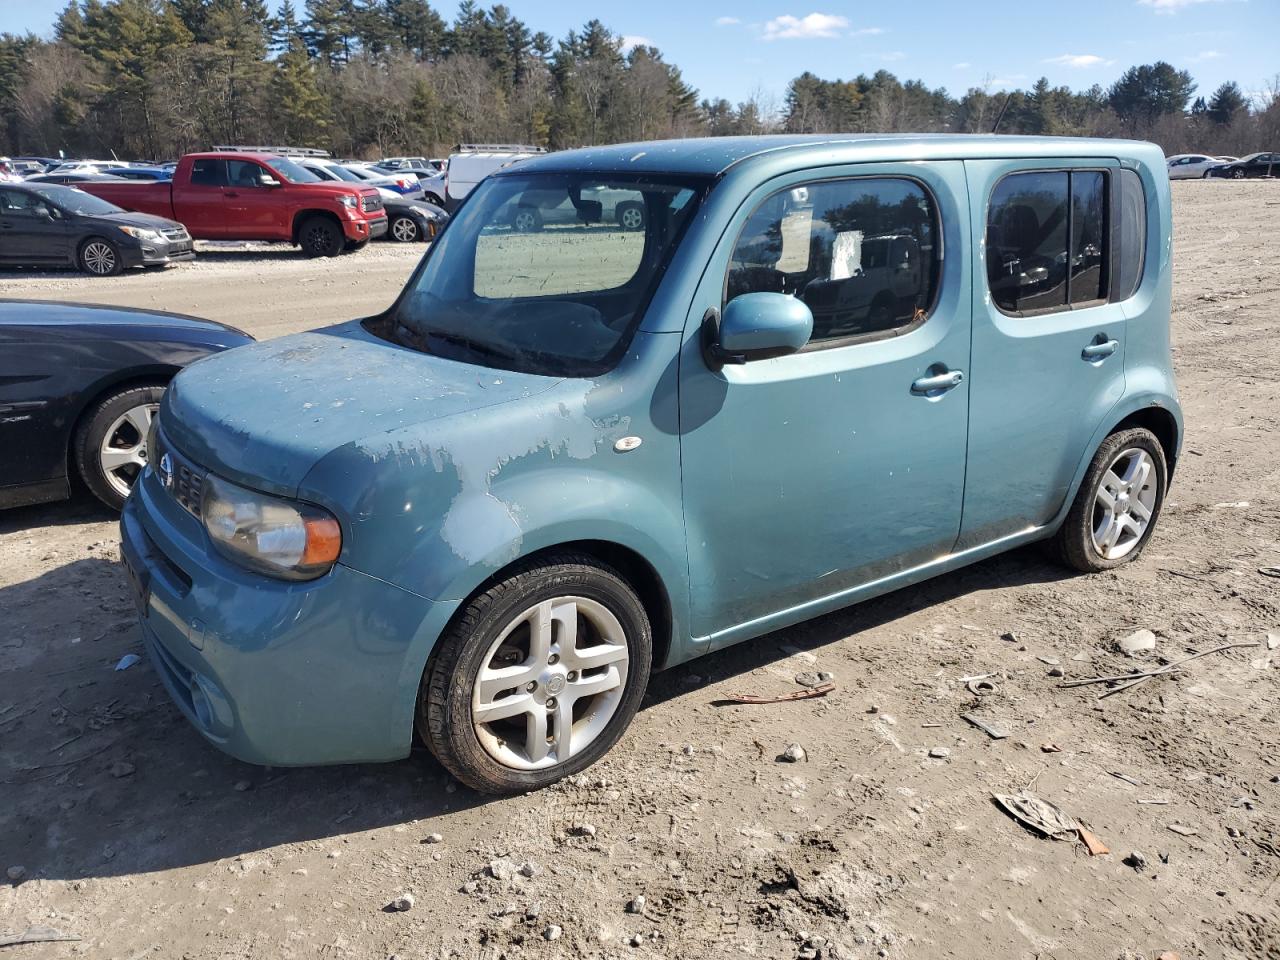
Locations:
(1047, 245)
(862, 253)
(547, 273)
(245, 173)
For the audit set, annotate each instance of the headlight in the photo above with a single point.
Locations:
(278, 537)
(141, 233)
(349, 201)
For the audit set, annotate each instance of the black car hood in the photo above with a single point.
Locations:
(80, 321)
(126, 219)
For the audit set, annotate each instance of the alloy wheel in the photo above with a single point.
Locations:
(123, 453)
(404, 230)
(99, 258)
(1124, 503)
(550, 683)
(524, 222)
(632, 219)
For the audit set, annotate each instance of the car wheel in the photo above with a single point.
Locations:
(630, 216)
(320, 237)
(537, 677)
(526, 220)
(351, 246)
(1238, 174)
(404, 230)
(99, 257)
(432, 198)
(1116, 509)
(111, 442)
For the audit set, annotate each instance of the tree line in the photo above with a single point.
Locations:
(157, 78)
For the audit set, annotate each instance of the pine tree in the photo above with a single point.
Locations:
(301, 109)
(1226, 104)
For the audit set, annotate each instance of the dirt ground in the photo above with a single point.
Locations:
(144, 841)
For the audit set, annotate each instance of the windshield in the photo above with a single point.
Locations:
(358, 173)
(341, 173)
(291, 171)
(77, 201)
(546, 273)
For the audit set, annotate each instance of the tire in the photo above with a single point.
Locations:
(351, 246)
(1077, 542)
(119, 422)
(630, 216)
(496, 757)
(526, 220)
(404, 229)
(99, 257)
(433, 198)
(320, 237)
(1238, 174)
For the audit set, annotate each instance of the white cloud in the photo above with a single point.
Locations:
(1171, 6)
(867, 32)
(962, 66)
(1079, 60)
(727, 21)
(893, 55)
(1204, 55)
(815, 25)
(632, 40)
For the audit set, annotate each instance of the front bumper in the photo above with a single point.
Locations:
(359, 230)
(149, 254)
(274, 672)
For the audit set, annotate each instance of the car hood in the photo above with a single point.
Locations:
(84, 321)
(127, 219)
(264, 415)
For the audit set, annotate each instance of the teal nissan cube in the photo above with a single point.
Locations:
(641, 402)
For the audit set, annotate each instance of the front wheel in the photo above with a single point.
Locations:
(111, 442)
(1116, 508)
(404, 230)
(321, 237)
(1238, 174)
(100, 257)
(538, 677)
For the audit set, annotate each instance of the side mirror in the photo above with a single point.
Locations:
(269, 182)
(756, 326)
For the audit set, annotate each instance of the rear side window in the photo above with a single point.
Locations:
(862, 253)
(1133, 235)
(208, 173)
(1047, 241)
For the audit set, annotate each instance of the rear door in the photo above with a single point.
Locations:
(199, 203)
(1048, 345)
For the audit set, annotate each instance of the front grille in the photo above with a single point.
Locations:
(371, 204)
(183, 480)
(174, 233)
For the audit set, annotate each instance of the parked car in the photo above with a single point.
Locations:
(8, 173)
(144, 173)
(253, 196)
(595, 204)
(1254, 165)
(1189, 166)
(389, 186)
(561, 460)
(71, 178)
(406, 163)
(52, 225)
(475, 161)
(78, 388)
(433, 184)
(402, 182)
(408, 220)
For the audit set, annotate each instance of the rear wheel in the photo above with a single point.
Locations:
(630, 216)
(320, 237)
(111, 442)
(526, 220)
(538, 677)
(404, 229)
(99, 257)
(1119, 501)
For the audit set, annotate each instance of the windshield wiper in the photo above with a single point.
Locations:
(420, 340)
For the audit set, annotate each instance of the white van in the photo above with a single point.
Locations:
(472, 162)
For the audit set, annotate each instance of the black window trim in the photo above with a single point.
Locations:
(1112, 206)
(857, 338)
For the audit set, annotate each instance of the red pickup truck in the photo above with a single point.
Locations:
(255, 196)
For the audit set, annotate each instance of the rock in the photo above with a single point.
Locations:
(636, 940)
(433, 838)
(1136, 860)
(825, 676)
(502, 870)
(584, 830)
(939, 753)
(553, 932)
(1142, 641)
(401, 903)
(687, 750)
(300, 872)
(1009, 636)
(793, 754)
(533, 911)
(530, 869)
(873, 709)
(636, 904)
(1057, 672)
(16, 873)
(333, 854)
(808, 678)
(121, 768)
(470, 887)
(240, 786)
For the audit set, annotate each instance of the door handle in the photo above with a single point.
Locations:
(230, 193)
(1100, 351)
(938, 382)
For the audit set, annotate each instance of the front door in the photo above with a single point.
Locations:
(258, 211)
(1048, 342)
(809, 475)
(31, 231)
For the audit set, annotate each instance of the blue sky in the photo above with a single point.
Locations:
(732, 49)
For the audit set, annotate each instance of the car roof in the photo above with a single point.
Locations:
(712, 156)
